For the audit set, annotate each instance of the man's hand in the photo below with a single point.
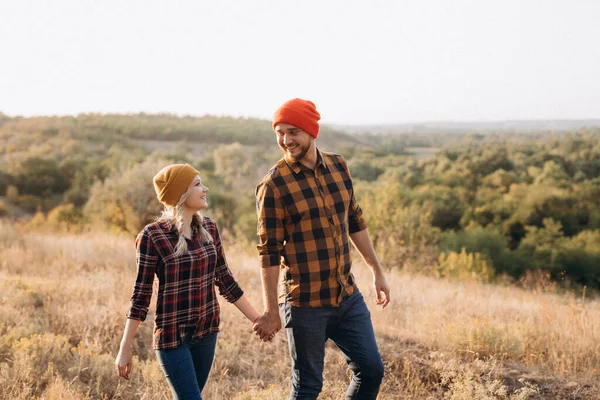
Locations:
(382, 290)
(267, 326)
(362, 242)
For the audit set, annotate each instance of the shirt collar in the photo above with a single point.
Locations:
(296, 166)
(195, 225)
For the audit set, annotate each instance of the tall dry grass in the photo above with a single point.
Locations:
(63, 299)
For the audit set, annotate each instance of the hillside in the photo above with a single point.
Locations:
(515, 202)
(63, 300)
(509, 126)
(92, 132)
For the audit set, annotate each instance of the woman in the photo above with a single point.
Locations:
(183, 249)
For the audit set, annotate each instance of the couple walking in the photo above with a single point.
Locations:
(307, 215)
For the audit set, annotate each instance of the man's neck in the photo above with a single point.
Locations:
(310, 158)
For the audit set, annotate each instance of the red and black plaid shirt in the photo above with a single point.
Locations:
(304, 219)
(186, 298)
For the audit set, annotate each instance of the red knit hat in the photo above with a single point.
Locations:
(302, 114)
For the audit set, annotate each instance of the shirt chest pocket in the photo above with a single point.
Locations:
(333, 198)
(305, 205)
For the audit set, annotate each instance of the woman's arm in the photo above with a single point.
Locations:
(123, 361)
(228, 286)
(147, 258)
(244, 305)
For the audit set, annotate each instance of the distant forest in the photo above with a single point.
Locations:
(486, 205)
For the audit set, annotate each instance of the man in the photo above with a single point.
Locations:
(306, 214)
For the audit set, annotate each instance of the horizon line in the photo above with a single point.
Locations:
(333, 124)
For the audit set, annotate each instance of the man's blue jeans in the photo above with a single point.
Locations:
(350, 328)
(187, 366)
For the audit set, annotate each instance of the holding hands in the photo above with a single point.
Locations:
(267, 326)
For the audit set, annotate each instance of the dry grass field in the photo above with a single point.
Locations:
(63, 298)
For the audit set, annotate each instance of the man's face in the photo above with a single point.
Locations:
(293, 141)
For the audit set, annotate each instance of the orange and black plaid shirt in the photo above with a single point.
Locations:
(304, 219)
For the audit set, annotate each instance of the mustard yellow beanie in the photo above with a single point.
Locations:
(172, 182)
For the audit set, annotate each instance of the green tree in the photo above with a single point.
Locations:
(491, 244)
(40, 177)
(541, 247)
(125, 200)
(363, 169)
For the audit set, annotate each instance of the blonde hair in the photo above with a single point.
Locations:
(174, 216)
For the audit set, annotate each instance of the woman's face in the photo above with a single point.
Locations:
(196, 199)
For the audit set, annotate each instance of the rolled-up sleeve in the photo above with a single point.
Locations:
(356, 222)
(270, 228)
(228, 287)
(146, 259)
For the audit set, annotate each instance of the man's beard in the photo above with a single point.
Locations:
(300, 156)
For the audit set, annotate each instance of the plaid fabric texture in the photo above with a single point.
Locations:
(304, 219)
(186, 298)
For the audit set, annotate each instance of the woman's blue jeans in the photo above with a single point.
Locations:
(349, 327)
(187, 366)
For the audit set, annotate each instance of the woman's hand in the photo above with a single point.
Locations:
(123, 361)
(267, 326)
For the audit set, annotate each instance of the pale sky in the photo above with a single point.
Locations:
(368, 61)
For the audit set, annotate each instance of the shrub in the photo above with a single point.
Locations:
(492, 245)
(580, 258)
(444, 204)
(364, 170)
(401, 234)
(36, 360)
(3, 209)
(541, 247)
(65, 216)
(39, 350)
(40, 177)
(575, 259)
(465, 266)
(126, 200)
(12, 193)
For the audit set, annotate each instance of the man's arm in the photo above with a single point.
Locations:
(362, 243)
(270, 322)
(271, 213)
